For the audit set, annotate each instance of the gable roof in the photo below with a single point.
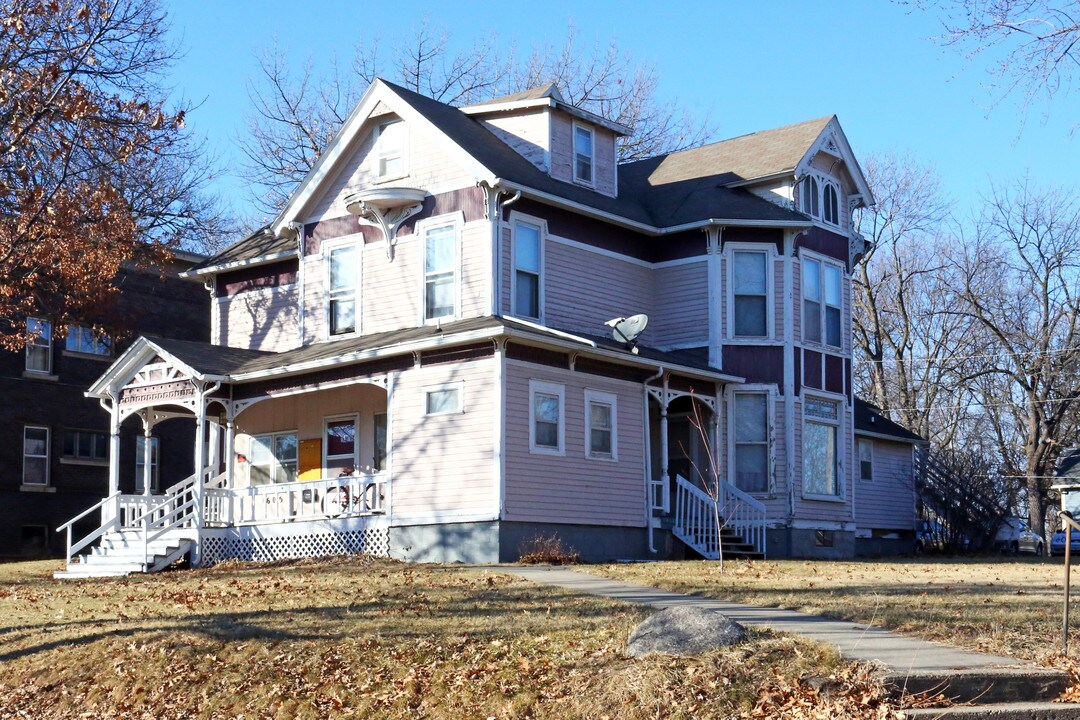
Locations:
(870, 422)
(1068, 465)
(548, 90)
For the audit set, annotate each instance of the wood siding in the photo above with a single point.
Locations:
(562, 153)
(526, 132)
(681, 304)
(888, 501)
(259, 320)
(572, 488)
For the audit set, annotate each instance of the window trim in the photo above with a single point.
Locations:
(591, 180)
(78, 459)
(602, 398)
(34, 342)
(823, 304)
(841, 446)
(769, 392)
(770, 292)
(455, 220)
(155, 463)
(859, 444)
(273, 437)
(541, 225)
(826, 185)
(76, 331)
(327, 252)
(325, 459)
(380, 177)
(547, 388)
(458, 387)
(47, 457)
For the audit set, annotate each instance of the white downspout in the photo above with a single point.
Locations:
(648, 457)
(298, 228)
(200, 467)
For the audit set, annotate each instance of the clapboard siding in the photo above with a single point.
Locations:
(526, 133)
(572, 488)
(507, 265)
(259, 320)
(681, 306)
(562, 153)
(888, 501)
(443, 465)
(314, 300)
(778, 299)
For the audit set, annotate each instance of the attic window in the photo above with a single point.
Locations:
(810, 202)
(391, 149)
(583, 154)
(831, 205)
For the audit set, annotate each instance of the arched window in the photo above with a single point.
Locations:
(832, 209)
(810, 197)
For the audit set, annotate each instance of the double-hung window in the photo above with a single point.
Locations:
(526, 270)
(751, 293)
(752, 442)
(390, 146)
(379, 442)
(601, 436)
(140, 462)
(547, 419)
(35, 455)
(822, 302)
(83, 340)
(274, 458)
(341, 296)
(340, 444)
(866, 459)
(583, 154)
(821, 452)
(86, 445)
(440, 272)
(39, 345)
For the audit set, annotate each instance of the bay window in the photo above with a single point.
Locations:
(822, 302)
(750, 302)
(821, 452)
(752, 442)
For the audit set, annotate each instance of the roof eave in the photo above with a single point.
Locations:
(236, 264)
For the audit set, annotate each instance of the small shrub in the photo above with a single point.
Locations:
(549, 550)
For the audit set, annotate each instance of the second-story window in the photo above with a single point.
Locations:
(831, 206)
(526, 270)
(440, 272)
(341, 297)
(810, 200)
(583, 154)
(822, 302)
(751, 294)
(82, 339)
(39, 345)
(390, 146)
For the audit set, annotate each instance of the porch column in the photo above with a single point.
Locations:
(230, 450)
(714, 448)
(720, 450)
(200, 457)
(148, 454)
(664, 436)
(114, 446)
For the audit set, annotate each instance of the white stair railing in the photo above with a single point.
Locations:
(696, 517)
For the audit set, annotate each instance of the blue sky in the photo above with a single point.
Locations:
(750, 65)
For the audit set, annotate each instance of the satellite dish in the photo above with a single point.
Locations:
(626, 330)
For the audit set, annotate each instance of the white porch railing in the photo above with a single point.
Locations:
(695, 517)
(295, 501)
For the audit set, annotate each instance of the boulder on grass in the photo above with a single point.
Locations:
(684, 630)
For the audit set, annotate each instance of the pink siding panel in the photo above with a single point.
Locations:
(562, 147)
(681, 304)
(526, 133)
(260, 320)
(888, 501)
(778, 299)
(604, 164)
(572, 488)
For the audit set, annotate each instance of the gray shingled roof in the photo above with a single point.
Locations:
(1068, 465)
(549, 90)
(259, 243)
(869, 419)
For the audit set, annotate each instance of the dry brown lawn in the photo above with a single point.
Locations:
(1011, 606)
(354, 637)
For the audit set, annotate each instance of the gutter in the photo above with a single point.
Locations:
(249, 262)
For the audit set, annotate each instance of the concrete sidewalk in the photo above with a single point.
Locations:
(855, 642)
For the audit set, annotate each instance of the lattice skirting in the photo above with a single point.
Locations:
(285, 546)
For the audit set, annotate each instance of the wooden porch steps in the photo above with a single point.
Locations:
(122, 553)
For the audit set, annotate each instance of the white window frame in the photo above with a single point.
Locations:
(46, 456)
(355, 418)
(273, 442)
(611, 400)
(456, 387)
(40, 341)
(770, 260)
(97, 342)
(591, 180)
(75, 458)
(456, 220)
(327, 255)
(811, 186)
(540, 387)
(155, 462)
(517, 218)
(841, 446)
(381, 155)
(860, 443)
(823, 305)
(825, 185)
(769, 392)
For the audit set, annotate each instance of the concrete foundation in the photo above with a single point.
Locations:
(807, 543)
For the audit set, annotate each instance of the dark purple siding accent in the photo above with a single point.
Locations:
(812, 369)
(469, 200)
(588, 230)
(260, 276)
(827, 243)
(774, 236)
(678, 245)
(847, 378)
(702, 388)
(540, 356)
(798, 370)
(611, 370)
(457, 354)
(834, 373)
(756, 364)
(312, 379)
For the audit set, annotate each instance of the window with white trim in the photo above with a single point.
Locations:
(35, 455)
(379, 442)
(339, 445)
(821, 449)
(547, 418)
(866, 459)
(140, 462)
(750, 289)
(601, 431)
(752, 442)
(527, 270)
(81, 339)
(440, 271)
(390, 146)
(584, 153)
(341, 289)
(442, 400)
(39, 345)
(822, 302)
(810, 199)
(274, 458)
(86, 445)
(830, 204)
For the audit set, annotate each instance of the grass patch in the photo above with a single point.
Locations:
(1006, 606)
(355, 637)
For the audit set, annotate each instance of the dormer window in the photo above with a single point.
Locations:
(810, 202)
(583, 154)
(390, 146)
(831, 205)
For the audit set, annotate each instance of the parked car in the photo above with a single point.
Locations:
(1057, 543)
(934, 537)
(1016, 536)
